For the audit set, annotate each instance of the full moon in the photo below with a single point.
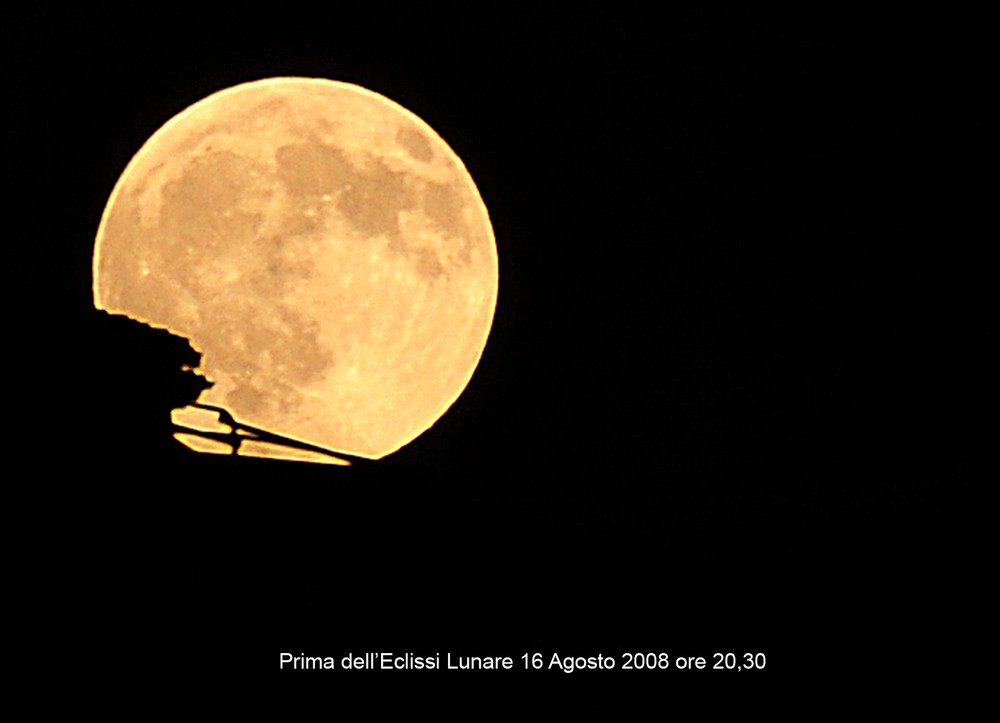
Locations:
(321, 246)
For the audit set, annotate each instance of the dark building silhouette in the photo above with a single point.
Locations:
(138, 376)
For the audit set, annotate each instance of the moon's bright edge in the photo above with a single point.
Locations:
(324, 249)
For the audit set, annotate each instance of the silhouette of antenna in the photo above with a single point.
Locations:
(239, 433)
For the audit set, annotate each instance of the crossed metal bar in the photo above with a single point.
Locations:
(239, 433)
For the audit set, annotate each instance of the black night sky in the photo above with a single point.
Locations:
(731, 401)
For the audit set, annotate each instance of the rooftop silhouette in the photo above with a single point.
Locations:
(143, 373)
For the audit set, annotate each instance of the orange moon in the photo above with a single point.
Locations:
(321, 246)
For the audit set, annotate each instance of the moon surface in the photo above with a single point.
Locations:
(321, 246)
